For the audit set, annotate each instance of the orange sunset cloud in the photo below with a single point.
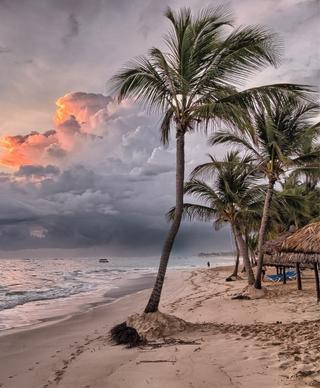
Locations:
(76, 115)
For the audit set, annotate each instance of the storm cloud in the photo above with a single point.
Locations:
(80, 171)
(30, 170)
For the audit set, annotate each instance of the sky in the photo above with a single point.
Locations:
(82, 175)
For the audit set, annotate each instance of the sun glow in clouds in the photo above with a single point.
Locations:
(12, 156)
(77, 115)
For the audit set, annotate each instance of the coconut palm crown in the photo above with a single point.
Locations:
(228, 195)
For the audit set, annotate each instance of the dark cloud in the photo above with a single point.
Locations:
(122, 235)
(37, 171)
(15, 211)
(78, 179)
(55, 151)
(115, 182)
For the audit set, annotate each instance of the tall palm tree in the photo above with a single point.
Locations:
(280, 129)
(195, 78)
(229, 195)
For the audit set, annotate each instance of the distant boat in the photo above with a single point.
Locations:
(103, 261)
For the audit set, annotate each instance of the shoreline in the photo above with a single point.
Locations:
(124, 288)
(87, 301)
(232, 342)
(39, 347)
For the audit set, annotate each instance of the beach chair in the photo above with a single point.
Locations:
(274, 278)
(291, 275)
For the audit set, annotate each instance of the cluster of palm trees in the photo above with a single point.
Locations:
(195, 83)
(233, 190)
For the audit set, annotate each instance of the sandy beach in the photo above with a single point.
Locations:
(269, 342)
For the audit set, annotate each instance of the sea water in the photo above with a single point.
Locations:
(33, 290)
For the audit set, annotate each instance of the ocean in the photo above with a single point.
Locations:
(35, 290)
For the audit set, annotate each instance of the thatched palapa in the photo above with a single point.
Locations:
(302, 246)
(304, 243)
(300, 249)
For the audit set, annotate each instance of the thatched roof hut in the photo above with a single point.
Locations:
(304, 245)
(301, 248)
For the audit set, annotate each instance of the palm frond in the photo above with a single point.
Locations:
(222, 137)
(194, 211)
(200, 190)
(166, 126)
(244, 51)
(141, 80)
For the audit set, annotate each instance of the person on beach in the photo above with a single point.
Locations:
(208, 264)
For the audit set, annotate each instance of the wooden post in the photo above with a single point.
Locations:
(284, 275)
(277, 268)
(316, 275)
(299, 284)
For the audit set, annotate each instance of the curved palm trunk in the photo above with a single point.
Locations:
(236, 266)
(245, 255)
(154, 300)
(262, 231)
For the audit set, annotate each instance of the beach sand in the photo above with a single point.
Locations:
(268, 342)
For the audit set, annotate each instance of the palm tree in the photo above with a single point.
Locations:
(280, 130)
(195, 78)
(230, 197)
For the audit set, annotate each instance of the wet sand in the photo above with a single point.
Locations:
(269, 342)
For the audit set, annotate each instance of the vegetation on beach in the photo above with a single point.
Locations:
(230, 195)
(195, 84)
(281, 129)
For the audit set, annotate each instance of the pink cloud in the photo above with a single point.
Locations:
(78, 115)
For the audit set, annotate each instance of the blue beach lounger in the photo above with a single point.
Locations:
(274, 278)
(290, 275)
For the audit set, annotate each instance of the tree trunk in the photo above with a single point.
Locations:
(245, 255)
(299, 283)
(262, 231)
(316, 276)
(236, 266)
(154, 300)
